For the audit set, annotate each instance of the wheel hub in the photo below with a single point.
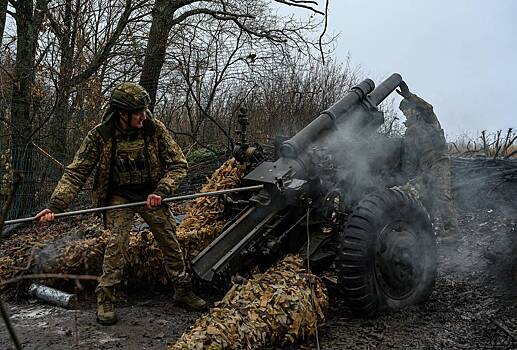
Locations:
(398, 263)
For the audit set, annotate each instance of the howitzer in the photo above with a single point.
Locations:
(329, 196)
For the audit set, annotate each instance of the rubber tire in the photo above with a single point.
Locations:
(356, 251)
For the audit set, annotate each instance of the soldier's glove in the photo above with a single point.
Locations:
(404, 90)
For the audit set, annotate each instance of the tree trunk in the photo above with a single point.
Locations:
(59, 122)
(156, 47)
(28, 23)
(3, 105)
(21, 108)
(3, 13)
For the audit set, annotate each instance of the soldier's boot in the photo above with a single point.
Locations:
(184, 296)
(105, 308)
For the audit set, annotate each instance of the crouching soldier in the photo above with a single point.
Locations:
(427, 162)
(136, 160)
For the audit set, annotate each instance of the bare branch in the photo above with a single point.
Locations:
(456, 147)
(13, 80)
(496, 145)
(265, 34)
(9, 325)
(485, 144)
(195, 139)
(221, 15)
(320, 40)
(302, 4)
(106, 50)
(56, 28)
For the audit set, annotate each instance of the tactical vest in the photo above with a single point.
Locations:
(130, 176)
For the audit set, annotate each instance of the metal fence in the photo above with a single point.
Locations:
(39, 177)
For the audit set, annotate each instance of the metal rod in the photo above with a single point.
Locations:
(137, 204)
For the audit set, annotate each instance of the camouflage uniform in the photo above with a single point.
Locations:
(427, 163)
(161, 223)
(164, 166)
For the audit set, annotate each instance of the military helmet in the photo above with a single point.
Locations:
(129, 97)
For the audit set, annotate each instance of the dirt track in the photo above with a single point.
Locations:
(473, 307)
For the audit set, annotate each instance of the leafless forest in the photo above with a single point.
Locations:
(201, 61)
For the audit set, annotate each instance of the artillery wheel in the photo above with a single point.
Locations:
(387, 254)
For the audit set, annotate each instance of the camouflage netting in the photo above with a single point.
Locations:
(58, 249)
(85, 257)
(75, 247)
(204, 221)
(278, 307)
(82, 254)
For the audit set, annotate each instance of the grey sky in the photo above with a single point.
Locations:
(460, 55)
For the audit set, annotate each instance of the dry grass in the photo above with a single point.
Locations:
(494, 145)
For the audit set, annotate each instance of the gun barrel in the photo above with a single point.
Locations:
(293, 147)
(384, 89)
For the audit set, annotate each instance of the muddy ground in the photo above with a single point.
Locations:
(473, 306)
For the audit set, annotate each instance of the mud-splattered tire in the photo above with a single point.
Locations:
(387, 254)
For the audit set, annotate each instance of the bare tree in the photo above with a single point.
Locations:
(6, 77)
(69, 31)
(289, 96)
(490, 145)
(254, 18)
(219, 65)
(222, 70)
(209, 61)
(29, 18)
(392, 124)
